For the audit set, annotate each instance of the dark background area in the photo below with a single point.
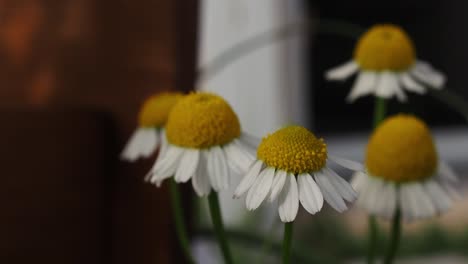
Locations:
(436, 28)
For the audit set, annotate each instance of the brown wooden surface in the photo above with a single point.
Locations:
(105, 56)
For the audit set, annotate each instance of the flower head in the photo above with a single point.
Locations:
(205, 144)
(292, 165)
(403, 170)
(386, 60)
(152, 119)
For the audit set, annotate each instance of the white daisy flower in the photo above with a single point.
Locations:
(204, 143)
(385, 60)
(152, 118)
(403, 171)
(292, 165)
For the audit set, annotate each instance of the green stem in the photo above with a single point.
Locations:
(179, 221)
(215, 212)
(380, 110)
(373, 235)
(287, 239)
(395, 237)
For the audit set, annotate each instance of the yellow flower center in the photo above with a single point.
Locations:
(156, 108)
(293, 149)
(202, 120)
(401, 149)
(385, 47)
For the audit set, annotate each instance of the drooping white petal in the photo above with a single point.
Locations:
(260, 189)
(388, 200)
(447, 172)
(310, 195)
(166, 165)
(188, 165)
(439, 197)
(238, 158)
(341, 185)
(142, 143)
(424, 202)
(365, 84)
(251, 141)
(288, 200)
(278, 183)
(424, 72)
(359, 181)
(330, 194)
(150, 142)
(387, 86)
(406, 203)
(248, 179)
(200, 180)
(218, 169)
(411, 85)
(342, 72)
(349, 164)
(369, 193)
(164, 143)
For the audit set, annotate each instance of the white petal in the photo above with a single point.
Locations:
(387, 86)
(410, 84)
(278, 183)
(439, 197)
(200, 180)
(218, 169)
(248, 179)
(425, 73)
(166, 166)
(330, 194)
(419, 204)
(250, 140)
(309, 193)
(142, 143)
(341, 185)
(349, 164)
(150, 142)
(388, 201)
(447, 173)
(164, 143)
(188, 165)
(406, 203)
(424, 201)
(365, 84)
(369, 193)
(238, 158)
(260, 189)
(288, 200)
(342, 72)
(359, 181)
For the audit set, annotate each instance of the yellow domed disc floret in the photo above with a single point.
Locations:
(202, 120)
(385, 47)
(293, 149)
(401, 149)
(156, 108)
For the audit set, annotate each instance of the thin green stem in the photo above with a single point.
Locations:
(287, 239)
(395, 237)
(373, 237)
(380, 110)
(179, 221)
(215, 212)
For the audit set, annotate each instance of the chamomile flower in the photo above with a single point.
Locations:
(292, 165)
(151, 118)
(386, 63)
(205, 144)
(403, 171)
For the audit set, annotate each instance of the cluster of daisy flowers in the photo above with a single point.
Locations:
(199, 138)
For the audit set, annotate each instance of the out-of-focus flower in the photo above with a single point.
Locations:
(205, 144)
(386, 63)
(403, 171)
(287, 163)
(152, 119)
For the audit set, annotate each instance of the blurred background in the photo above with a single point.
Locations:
(74, 72)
